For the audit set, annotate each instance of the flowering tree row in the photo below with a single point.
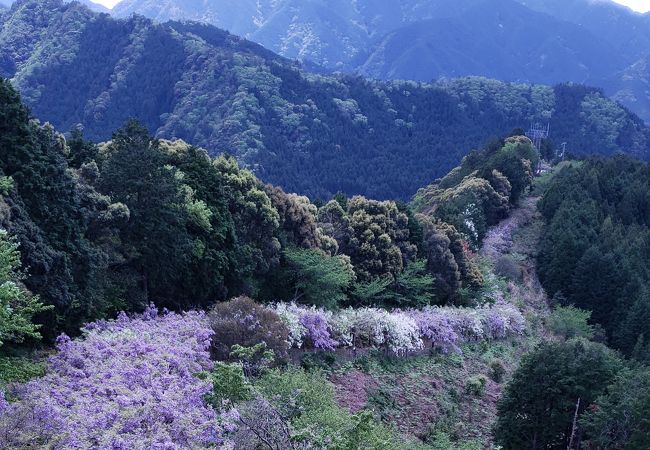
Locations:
(400, 331)
(128, 384)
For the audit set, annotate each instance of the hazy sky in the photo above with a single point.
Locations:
(107, 3)
(638, 5)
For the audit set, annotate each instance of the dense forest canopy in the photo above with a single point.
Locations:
(597, 212)
(111, 227)
(311, 134)
(601, 43)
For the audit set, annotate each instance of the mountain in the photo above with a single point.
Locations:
(500, 39)
(331, 33)
(311, 134)
(90, 4)
(594, 41)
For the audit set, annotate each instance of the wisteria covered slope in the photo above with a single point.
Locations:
(128, 384)
(399, 331)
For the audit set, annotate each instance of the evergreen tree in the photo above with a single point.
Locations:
(155, 238)
(552, 382)
(620, 418)
(318, 279)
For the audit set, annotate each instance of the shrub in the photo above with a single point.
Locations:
(254, 360)
(476, 385)
(320, 360)
(497, 370)
(19, 370)
(229, 384)
(243, 322)
(570, 322)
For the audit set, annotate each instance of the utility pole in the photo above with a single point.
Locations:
(574, 427)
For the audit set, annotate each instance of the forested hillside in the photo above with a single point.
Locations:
(598, 42)
(311, 134)
(92, 230)
(376, 324)
(112, 227)
(597, 212)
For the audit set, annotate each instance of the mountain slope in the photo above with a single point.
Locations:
(89, 3)
(548, 41)
(311, 134)
(499, 39)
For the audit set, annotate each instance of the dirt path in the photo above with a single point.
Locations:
(517, 238)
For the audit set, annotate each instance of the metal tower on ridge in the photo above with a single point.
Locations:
(537, 133)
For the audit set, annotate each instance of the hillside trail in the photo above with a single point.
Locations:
(517, 239)
(423, 393)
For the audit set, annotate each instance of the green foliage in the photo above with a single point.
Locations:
(538, 405)
(6, 185)
(379, 241)
(17, 306)
(413, 287)
(229, 384)
(255, 359)
(597, 213)
(621, 417)
(308, 400)
(371, 293)
(53, 214)
(364, 432)
(570, 322)
(319, 280)
(156, 236)
(442, 441)
(19, 370)
(476, 385)
(317, 360)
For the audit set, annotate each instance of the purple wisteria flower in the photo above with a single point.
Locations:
(317, 328)
(437, 327)
(127, 384)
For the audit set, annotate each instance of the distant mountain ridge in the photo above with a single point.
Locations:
(594, 41)
(89, 3)
(311, 134)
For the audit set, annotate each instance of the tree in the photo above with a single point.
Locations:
(620, 418)
(318, 279)
(379, 243)
(539, 404)
(17, 305)
(414, 287)
(571, 322)
(155, 237)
